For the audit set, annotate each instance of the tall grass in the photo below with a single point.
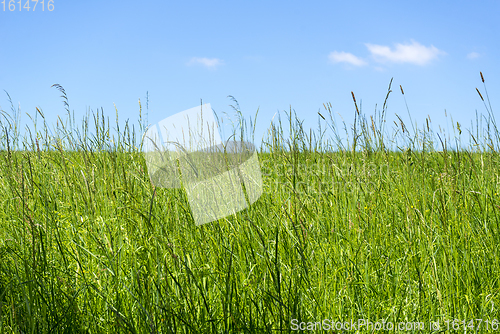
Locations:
(355, 222)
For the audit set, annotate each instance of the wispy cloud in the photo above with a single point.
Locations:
(345, 57)
(473, 55)
(414, 53)
(207, 62)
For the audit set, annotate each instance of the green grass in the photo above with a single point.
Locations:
(352, 229)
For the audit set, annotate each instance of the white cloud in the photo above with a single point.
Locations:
(345, 57)
(207, 62)
(413, 53)
(473, 55)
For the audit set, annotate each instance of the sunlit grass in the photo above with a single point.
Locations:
(383, 224)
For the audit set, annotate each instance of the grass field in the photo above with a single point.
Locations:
(394, 223)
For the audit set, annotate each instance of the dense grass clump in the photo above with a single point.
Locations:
(393, 225)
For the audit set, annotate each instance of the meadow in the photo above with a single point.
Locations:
(376, 221)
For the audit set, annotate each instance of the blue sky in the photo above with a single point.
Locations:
(268, 55)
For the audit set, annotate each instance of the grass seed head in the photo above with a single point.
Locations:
(479, 94)
(354, 99)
